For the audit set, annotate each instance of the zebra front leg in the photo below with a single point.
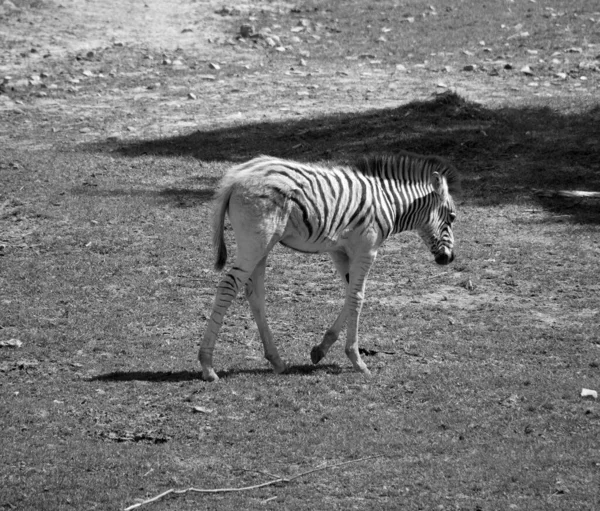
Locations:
(331, 335)
(226, 291)
(359, 271)
(255, 293)
(341, 262)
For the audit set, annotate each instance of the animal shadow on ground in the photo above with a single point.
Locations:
(180, 376)
(503, 154)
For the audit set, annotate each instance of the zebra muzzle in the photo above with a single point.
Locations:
(444, 256)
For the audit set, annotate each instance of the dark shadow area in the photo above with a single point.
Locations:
(156, 376)
(182, 197)
(502, 153)
(179, 376)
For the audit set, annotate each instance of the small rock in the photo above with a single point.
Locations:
(214, 65)
(470, 67)
(9, 6)
(228, 11)
(589, 393)
(247, 30)
(191, 95)
(527, 70)
(202, 409)
(11, 343)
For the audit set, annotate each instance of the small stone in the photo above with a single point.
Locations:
(470, 67)
(9, 6)
(11, 343)
(214, 65)
(203, 409)
(191, 95)
(247, 30)
(527, 70)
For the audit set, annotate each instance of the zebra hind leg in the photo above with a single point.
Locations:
(255, 224)
(227, 290)
(255, 293)
(341, 262)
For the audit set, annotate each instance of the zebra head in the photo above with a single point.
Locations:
(436, 230)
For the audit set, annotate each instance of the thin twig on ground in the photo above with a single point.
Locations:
(248, 488)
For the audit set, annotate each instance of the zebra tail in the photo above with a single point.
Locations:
(221, 208)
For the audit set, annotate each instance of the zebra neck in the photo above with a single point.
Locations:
(411, 215)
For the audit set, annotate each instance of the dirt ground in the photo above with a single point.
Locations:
(112, 68)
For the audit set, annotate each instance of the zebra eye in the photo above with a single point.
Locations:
(452, 217)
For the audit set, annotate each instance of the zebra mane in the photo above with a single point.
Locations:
(373, 164)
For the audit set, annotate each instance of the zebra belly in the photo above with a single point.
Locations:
(301, 245)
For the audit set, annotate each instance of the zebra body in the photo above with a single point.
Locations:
(345, 211)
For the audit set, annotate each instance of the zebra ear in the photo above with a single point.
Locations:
(440, 185)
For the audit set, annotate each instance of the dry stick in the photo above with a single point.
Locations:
(247, 488)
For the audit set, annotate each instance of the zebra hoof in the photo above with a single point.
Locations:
(317, 354)
(281, 369)
(366, 373)
(209, 375)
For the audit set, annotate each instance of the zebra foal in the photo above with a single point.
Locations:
(346, 211)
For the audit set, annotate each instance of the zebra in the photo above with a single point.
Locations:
(346, 211)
